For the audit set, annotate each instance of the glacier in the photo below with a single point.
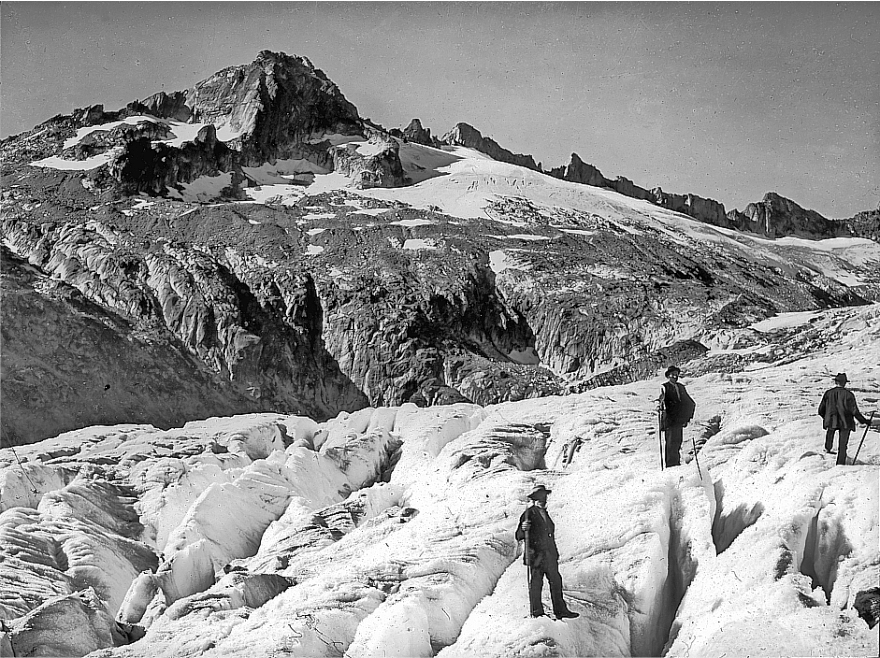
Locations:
(389, 531)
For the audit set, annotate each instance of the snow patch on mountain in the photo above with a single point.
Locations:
(81, 133)
(412, 223)
(526, 236)
(284, 194)
(203, 188)
(334, 139)
(785, 321)
(283, 171)
(501, 260)
(414, 244)
(63, 164)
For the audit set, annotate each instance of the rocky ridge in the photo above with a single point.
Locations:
(282, 107)
(466, 135)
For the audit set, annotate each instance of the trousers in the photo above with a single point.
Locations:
(545, 566)
(673, 445)
(843, 442)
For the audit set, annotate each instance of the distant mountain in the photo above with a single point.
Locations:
(300, 258)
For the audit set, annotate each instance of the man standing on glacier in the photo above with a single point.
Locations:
(839, 411)
(676, 411)
(536, 529)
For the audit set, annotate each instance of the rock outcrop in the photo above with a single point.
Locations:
(255, 334)
(865, 224)
(278, 106)
(376, 164)
(466, 135)
(170, 106)
(776, 216)
(416, 133)
(577, 171)
(705, 210)
(143, 166)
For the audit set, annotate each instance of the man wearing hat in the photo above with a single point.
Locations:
(541, 555)
(676, 410)
(839, 411)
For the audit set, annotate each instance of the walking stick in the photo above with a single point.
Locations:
(528, 556)
(697, 459)
(867, 427)
(660, 434)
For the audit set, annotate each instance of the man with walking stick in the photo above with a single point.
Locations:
(541, 557)
(676, 410)
(839, 411)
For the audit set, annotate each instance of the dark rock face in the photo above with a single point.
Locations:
(170, 106)
(646, 367)
(867, 604)
(69, 362)
(776, 216)
(465, 135)
(577, 171)
(705, 210)
(414, 132)
(121, 136)
(626, 187)
(157, 168)
(280, 106)
(256, 335)
(864, 225)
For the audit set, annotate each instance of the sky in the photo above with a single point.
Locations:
(723, 100)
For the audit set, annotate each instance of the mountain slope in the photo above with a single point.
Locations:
(69, 363)
(484, 281)
(316, 263)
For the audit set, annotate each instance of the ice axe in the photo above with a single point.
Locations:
(660, 434)
(697, 459)
(867, 427)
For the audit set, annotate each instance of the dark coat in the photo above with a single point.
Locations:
(839, 409)
(678, 406)
(542, 540)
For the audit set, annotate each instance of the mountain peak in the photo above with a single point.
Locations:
(464, 134)
(776, 215)
(282, 59)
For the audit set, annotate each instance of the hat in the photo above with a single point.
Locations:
(539, 492)
(672, 369)
(841, 377)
